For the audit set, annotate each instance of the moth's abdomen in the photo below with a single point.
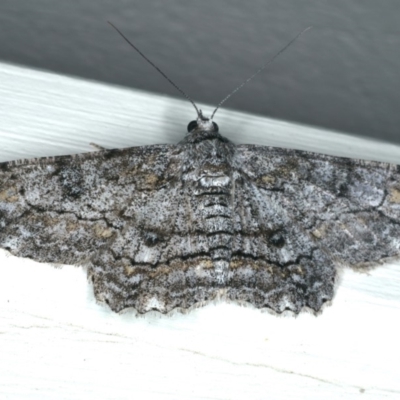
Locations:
(214, 198)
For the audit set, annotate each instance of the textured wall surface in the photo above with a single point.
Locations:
(342, 75)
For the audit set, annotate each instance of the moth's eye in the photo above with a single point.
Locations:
(216, 128)
(192, 125)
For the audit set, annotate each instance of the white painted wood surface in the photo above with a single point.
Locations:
(57, 343)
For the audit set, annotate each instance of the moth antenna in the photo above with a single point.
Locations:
(259, 70)
(158, 69)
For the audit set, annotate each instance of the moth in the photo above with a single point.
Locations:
(168, 227)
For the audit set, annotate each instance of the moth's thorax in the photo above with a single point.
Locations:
(205, 149)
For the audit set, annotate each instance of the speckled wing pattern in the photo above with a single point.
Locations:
(173, 226)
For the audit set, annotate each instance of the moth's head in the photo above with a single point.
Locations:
(202, 124)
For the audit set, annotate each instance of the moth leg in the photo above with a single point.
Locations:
(97, 146)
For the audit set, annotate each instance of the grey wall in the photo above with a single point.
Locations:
(343, 74)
